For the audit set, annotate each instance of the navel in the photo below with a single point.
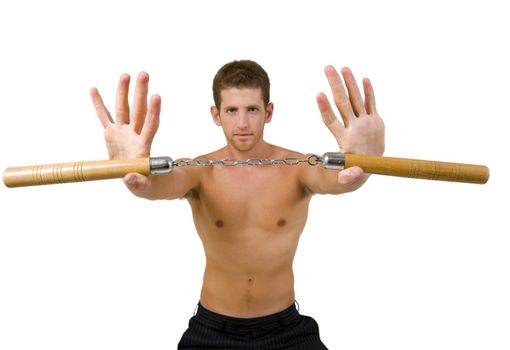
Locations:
(281, 222)
(219, 223)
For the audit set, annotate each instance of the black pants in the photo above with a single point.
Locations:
(284, 330)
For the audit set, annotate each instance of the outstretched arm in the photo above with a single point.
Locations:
(361, 131)
(131, 136)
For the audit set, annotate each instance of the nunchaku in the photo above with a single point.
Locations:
(110, 169)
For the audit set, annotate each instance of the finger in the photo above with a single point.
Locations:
(122, 103)
(340, 95)
(354, 93)
(152, 120)
(101, 111)
(329, 118)
(136, 182)
(140, 102)
(350, 175)
(369, 97)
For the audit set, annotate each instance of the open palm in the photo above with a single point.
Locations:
(362, 130)
(132, 133)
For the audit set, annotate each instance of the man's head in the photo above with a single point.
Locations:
(241, 74)
(242, 107)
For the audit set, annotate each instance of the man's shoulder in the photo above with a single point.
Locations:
(218, 154)
(281, 152)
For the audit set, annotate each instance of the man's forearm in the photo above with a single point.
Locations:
(151, 187)
(165, 186)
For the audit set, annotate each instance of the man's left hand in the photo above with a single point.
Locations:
(362, 130)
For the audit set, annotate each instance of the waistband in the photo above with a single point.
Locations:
(222, 322)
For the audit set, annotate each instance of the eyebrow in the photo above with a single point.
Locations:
(247, 107)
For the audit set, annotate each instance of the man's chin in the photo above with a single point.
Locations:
(243, 146)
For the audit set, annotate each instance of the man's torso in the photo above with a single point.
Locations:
(249, 219)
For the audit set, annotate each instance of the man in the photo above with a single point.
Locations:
(249, 218)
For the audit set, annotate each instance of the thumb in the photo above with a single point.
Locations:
(350, 175)
(136, 182)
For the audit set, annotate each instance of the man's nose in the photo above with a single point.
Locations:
(243, 120)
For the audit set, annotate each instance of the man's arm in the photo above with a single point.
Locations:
(361, 132)
(318, 180)
(175, 185)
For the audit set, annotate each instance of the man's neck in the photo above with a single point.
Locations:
(261, 150)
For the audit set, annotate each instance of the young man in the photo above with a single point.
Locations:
(249, 218)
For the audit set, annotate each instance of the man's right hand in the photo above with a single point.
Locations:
(132, 133)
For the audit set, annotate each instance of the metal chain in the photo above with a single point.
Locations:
(312, 160)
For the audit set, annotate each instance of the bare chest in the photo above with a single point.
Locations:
(255, 197)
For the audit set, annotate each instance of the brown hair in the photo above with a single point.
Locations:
(241, 74)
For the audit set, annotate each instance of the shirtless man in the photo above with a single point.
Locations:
(249, 218)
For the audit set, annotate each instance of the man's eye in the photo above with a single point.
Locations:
(253, 109)
(231, 110)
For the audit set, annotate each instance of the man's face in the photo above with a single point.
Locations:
(242, 116)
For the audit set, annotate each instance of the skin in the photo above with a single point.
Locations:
(249, 219)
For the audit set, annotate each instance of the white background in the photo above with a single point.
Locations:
(399, 264)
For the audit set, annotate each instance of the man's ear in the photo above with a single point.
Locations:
(215, 115)
(269, 111)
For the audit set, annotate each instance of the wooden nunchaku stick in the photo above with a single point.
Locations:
(110, 169)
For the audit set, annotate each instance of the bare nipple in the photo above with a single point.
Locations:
(281, 222)
(219, 223)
